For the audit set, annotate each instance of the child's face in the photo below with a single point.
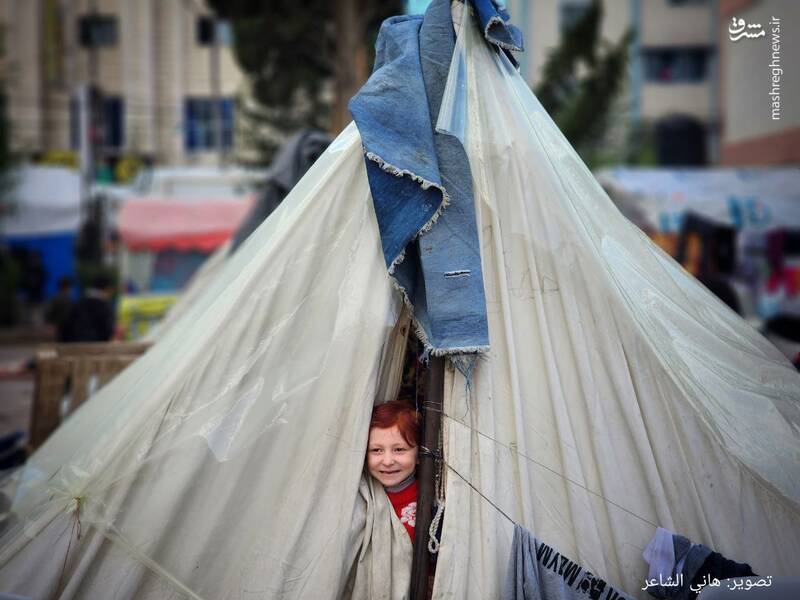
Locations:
(390, 459)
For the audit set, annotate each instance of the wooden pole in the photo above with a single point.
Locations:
(431, 423)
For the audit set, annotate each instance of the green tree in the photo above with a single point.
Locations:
(9, 270)
(581, 80)
(295, 54)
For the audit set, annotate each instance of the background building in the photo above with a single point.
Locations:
(754, 129)
(161, 76)
(672, 84)
(164, 78)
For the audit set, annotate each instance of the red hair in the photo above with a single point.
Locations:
(401, 414)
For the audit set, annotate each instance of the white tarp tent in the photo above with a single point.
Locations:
(44, 201)
(618, 395)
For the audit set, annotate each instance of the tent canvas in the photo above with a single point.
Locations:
(292, 161)
(165, 242)
(617, 395)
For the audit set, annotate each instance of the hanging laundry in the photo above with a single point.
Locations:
(717, 566)
(660, 555)
(538, 572)
(693, 565)
(687, 558)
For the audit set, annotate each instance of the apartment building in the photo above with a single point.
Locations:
(672, 79)
(161, 76)
(759, 84)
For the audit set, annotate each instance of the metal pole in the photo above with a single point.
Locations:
(216, 99)
(88, 118)
(429, 450)
(85, 146)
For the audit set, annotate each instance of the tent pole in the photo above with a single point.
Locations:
(431, 423)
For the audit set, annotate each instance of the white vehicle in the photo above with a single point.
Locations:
(197, 182)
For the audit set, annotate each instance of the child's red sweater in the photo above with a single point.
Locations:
(405, 505)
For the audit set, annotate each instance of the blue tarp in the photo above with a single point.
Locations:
(56, 251)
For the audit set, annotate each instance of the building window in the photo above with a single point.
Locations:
(97, 30)
(113, 122)
(675, 65)
(224, 33)
(572, 12)
(200, 132)
(210, 30)
(74, 124)
(680, 141)
(107, 121)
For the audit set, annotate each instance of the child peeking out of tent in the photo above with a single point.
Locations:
(392, 456)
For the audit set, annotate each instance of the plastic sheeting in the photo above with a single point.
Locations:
(225, 463)
(44, 201)
(618, 395)
(194, 290)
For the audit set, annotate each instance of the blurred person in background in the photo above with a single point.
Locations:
(34, 276)
(92, 317)
(59, 308)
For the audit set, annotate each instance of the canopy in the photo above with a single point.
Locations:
(160, 224)
(294, 158)
(40, 216)
(43, 201)
(617, 395)
(752, 199)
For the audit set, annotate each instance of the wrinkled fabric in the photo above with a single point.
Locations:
(383, 568)
(660, 555)
(394, 125)
(537, 571)
(495, 25)
(619, 394)
(689, 566)
(418, 175)
(451, 259)
(241, 433)
(680, 561)
(292, 161)
(715, 566)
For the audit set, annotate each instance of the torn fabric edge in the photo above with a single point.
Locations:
(495, 25)
(399, 140)
(424, 184)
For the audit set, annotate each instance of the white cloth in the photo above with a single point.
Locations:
(618, 395)
(660, 555)
(225, 463)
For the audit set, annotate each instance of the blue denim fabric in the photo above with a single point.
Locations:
(415, 172)
(455, 311)
(496, 28)
(391, 112)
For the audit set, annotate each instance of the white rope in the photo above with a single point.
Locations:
(433, 541)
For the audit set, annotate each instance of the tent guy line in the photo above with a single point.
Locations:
(536, 462)
(76, 524)
(480, 493)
